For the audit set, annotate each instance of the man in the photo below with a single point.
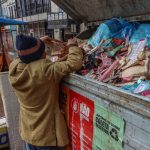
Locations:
(35, 81)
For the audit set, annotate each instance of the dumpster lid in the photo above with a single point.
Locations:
(98, 10)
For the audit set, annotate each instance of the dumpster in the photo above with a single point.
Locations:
(101, 116)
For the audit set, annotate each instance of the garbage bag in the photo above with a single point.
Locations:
(142, 32)
(127, 31)
(143, 86)
(101, 33)
(107, 30)
(132, 87)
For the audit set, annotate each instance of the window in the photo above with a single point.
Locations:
(15, 11)
(60, 16)
(60, 10)
(10, 14)
(73, 28)
(64, 15)
(52, 16)
(56, 16)
(46, 1)
(39, 1)
(3, 11)
(49, 17)
(32, 1)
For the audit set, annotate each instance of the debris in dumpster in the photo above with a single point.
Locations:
(143, 31)
(136, 49)
(55, 49)
(143, 86)
(116, 55)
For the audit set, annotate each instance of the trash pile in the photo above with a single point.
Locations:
(55, 49)
(119, 54)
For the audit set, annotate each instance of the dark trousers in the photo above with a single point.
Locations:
(27, 146)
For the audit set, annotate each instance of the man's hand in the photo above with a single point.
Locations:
(63, 58)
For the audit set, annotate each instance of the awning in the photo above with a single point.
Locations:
(5, 21)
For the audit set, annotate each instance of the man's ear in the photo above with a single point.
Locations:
(44, 55)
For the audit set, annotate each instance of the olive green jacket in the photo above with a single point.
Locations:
(37, 87)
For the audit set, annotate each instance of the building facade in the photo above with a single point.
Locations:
(60, 25)
(8, 8)
(35, 13)
(8, 32)
(45, 18)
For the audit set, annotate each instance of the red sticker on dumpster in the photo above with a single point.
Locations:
(80, 121)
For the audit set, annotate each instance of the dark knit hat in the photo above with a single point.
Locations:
(29, 48)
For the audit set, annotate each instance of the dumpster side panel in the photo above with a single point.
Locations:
(138, 104)
(137, 125)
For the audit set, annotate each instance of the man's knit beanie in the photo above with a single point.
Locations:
(29, 48)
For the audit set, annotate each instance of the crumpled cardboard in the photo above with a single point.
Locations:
(136, 71)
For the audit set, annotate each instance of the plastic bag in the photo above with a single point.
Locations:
(143, 31)
(132, 87)
(101, 33)
(143, 86)
(126, 32)
(110, 29)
